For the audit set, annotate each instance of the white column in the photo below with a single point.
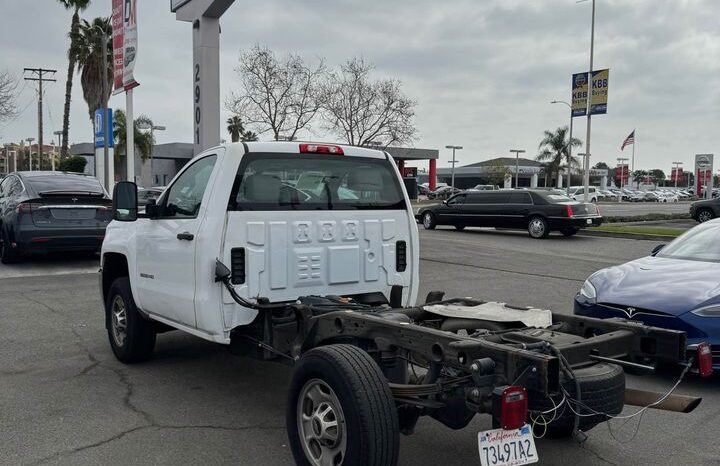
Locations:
(100, 165)
(603, 181)
(559, 180)
(508, 181)
(111, 170)
(534, 180)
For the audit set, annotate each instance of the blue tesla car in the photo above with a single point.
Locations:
(676, 287)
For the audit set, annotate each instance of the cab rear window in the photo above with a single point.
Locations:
(315, 182)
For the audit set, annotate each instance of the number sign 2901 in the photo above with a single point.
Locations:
(198, 112)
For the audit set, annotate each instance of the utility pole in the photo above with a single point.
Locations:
(39, 75)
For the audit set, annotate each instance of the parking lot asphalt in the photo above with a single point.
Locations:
(65, 400)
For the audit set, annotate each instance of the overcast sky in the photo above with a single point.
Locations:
(483, 72)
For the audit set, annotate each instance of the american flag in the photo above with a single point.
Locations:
(628, 140)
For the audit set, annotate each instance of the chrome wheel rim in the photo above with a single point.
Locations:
(321, 424)
(427, 220)
(118, 320)
(704, 216)
(537, 228)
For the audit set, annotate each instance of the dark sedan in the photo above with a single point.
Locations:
(46, 211)
(705, 210)
(538, 211)
(675, 287)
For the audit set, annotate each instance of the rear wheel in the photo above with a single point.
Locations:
(340, 410)
(538, 228)
(704, 215)
(8, 254)
(429, 221)
(569, 231)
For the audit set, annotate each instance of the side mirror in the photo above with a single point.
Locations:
(657, 249)
(152, 210)
(444, 201)
(125, 206)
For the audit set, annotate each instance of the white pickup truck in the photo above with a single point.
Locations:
(308, 254)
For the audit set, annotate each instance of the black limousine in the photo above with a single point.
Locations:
(538, 211)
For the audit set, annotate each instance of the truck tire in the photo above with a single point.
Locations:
(132, 337)
(602, 388)
(340, 410)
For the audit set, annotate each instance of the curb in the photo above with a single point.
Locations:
(636, 236)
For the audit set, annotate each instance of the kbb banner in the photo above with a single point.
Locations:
(579, 94)
(599, 92)
(125, 43)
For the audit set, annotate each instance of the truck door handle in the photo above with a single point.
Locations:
(185, 236)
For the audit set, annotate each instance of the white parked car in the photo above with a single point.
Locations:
(577, 193)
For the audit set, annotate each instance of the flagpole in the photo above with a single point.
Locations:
(633, 154)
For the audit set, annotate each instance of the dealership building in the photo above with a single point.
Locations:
(501, 172)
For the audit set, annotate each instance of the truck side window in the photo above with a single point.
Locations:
(184, 197)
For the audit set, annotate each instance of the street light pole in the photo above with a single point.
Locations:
(517, 159)
(29, 141)
(569, 145)
(677, 171)
(453, 162)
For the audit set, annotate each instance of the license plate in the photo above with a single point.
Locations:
(499, 447)
(589, 221)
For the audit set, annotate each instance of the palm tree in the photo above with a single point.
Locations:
(554, 151)
(235, 128)
(248, 136)
(91, 40)
(144, 140)
(77, 6)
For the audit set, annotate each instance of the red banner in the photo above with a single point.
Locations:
(118, 43)
(677, 175)
(622, 174)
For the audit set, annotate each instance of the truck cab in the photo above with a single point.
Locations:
(290, 219)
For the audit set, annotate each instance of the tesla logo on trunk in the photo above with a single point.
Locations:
(630, 311)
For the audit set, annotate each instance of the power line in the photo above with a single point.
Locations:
(39, 75)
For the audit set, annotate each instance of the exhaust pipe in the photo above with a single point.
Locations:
(676, 403)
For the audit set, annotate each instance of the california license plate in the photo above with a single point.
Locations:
(589, 221)
(500, 447)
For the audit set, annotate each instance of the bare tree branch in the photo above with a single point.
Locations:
(8, 95)
(277, 95)
(365, 112)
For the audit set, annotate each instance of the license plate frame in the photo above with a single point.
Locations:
(500, 447)
(589, 221)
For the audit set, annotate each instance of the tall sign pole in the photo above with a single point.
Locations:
(205, 18)
(586, 164)
(125, 49)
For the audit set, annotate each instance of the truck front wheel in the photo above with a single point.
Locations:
(131, 336)
(340, 410)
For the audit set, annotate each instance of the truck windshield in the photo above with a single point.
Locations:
(310, 182)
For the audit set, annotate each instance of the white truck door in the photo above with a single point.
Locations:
(166, 246)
